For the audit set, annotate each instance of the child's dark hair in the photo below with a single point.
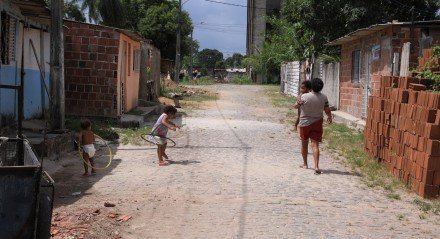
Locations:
(307, 84)
(169, 109)
(85, 124)
(317, 85)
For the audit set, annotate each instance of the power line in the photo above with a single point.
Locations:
(234, 4)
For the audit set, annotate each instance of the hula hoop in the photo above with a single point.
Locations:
(146, 138)
(109, 150)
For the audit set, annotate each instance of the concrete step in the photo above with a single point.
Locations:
(142, 117)
(349, 120)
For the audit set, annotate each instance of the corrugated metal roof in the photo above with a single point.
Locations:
(374, 28)
(36, 10)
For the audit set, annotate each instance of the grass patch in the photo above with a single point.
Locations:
(103, 128)
(433, 206)
(349, 143)
(278, 99)
(241, 80)
(394, 196)
(109, 130)
(197, 97)
(205, 80)
(132, 136)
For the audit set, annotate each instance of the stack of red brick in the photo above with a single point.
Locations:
(403, 128)
(403, 132)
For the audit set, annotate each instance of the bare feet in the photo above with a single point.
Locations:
(304, 166)
(165, 155)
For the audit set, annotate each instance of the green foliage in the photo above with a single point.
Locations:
(103, 128)
(154, 19)
(159, 24)
(436, 51)
(235, 61)
(73, 12)
(241, 80)
(306, 26)
(132, 136)
(208, 58)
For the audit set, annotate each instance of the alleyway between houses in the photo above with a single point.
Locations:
(235, 174)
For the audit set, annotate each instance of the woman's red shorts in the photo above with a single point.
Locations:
(313, 131)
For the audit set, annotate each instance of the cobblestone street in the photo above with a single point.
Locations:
(236, 174)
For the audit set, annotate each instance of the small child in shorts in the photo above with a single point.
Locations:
(160, 130)
(86, 139)
(306, 86)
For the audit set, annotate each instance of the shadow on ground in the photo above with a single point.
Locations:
(70, 185)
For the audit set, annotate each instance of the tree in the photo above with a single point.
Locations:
(235, 61)
(71, 10)
(160, 24)
(154, 19)
(208, 58)
(305, 26)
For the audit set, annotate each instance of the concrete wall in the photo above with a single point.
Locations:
(91, 65)
(131, 76)
(390, 40)
(256, 27)
(36, 101)
(290, 78)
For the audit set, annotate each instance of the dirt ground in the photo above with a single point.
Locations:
(234, 174)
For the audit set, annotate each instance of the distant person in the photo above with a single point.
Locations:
(312, 105)
(86, 139)
(160, 131)
(306, 86)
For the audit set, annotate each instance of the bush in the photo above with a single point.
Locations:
(241, 80)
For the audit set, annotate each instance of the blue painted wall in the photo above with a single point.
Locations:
(35, 96)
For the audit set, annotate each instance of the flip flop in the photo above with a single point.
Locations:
(164, 163)
(318, 172)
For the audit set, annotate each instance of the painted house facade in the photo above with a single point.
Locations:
(25, 35)
(103, 69)
(382, 49)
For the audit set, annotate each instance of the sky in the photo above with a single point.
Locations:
(219, 26)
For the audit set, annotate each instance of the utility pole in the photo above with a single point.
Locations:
(191, 56)
(57, 66)
(177, 63)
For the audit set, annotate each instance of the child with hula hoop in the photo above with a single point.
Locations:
(160, 130)
(86, 139)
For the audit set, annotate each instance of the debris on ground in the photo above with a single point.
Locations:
(78, 224)
(123, 218)
(108, 204)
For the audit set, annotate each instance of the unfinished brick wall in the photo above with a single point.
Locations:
(403, 132)
(91, 62)
(391, 41)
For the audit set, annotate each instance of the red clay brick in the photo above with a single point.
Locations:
(432, 131)
(417, 87)
(433, 147)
